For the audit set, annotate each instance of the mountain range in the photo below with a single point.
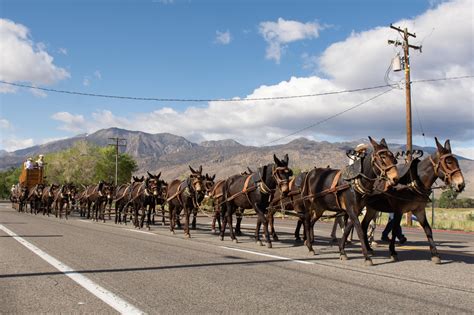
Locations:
(171, 154)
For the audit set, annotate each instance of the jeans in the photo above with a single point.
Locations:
(389, 228)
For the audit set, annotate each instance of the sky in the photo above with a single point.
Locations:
(236, 50)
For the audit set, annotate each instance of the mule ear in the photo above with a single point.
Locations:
(373, 142)
(213, 177)
(192, 170)
(149, 175)
(383, 142)
(250, 170)
(447, 145)
(200, 169)
(158, 176)
(277, 161)
(439, 146)
(287, 159)
(142, 178)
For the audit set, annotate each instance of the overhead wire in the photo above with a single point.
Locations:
(161, 99)
(329, 118)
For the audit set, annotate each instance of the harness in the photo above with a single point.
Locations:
(448, 174)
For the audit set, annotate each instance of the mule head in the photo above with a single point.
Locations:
(384, 162)
(208, 183)
(446, 166)
(197, 179)
(281, 173)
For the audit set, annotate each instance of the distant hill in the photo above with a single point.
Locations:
(171, 154)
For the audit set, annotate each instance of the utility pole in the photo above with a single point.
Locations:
(406, 52)
(118, 142)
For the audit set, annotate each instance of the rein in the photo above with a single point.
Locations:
(448, 174)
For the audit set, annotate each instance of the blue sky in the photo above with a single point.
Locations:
(218, 49)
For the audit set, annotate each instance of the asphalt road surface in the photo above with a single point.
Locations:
(49, 265)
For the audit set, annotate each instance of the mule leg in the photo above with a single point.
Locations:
(421, 216)
(369, 216)
(354, 221)
(187, 213)
(397, 218)
(297, 229)
(272, 225)
(238, 217)
(257, 232)
(172, 217)
(193, 224)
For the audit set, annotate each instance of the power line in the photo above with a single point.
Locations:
(158, 99)
(329, 118)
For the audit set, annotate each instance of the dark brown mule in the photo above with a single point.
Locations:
(20, 196)
(34, 198)
(217, 196)
(123, 198)
(335, 190)
(144, 199)
(61, 201)
(48, 197)
(418, 176)
(160, 200)
(255, 192)
(208, 184)
(95, 197)
(185, 195)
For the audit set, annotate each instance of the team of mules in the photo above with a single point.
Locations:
(374, 181)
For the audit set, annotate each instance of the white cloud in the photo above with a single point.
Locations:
(72, 123)
(13, 143)
(62, 51)
(97, 74)
(22, 60)
(282, 32)
(4, 124)
(445, 108)
(467, 152)
(86, 81)
(223, 38)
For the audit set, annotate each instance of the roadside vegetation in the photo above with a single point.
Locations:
(82, 164)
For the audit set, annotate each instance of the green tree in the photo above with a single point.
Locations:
(105, 166)
(85, 163)
(448, 198)
(7, 179)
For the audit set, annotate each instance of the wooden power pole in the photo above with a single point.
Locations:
(118, 142)
(406, 52)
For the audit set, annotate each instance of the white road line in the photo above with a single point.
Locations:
(268, 255)
(108, 297)
(138, 231)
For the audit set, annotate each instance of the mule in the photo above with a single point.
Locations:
(417, 177)
(185, 195)
(34, 198)
(255, 191)
(48, 197)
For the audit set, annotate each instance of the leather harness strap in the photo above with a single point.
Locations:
(213, 191)
(245, 190)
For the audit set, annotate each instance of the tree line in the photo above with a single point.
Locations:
(84, 163)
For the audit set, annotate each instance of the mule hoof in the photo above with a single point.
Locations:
(313, 252)
(394, 258)
(235, 240)
(368, 262)
(173, 232)
(343, 257)
(275, 238)
(213, 231)
(269, 245)
(187, 235)
(259, 243)
(222, 238)
(370, 253)
(436, 260)
(297, 239)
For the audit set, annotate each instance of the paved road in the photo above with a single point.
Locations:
(51, 265)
